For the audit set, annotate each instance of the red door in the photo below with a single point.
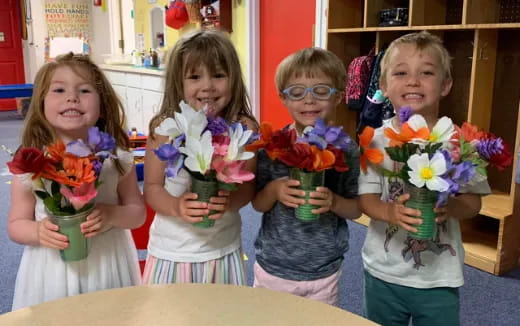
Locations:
(11, 55)
(285, 27)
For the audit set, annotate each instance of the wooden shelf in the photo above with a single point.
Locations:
(497, 205)
(479, 35)
(425, 27)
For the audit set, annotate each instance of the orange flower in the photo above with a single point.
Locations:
(373, 155)
(76, 171)
(266, 135)
(469, 132)
(56, 151)
(323, 159)
(405, 135)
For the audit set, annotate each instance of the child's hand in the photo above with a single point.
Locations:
(49, 237)
(322, 197)
(442, 214)
(219, 204)
(401, 215)
(191, 210)
(94, 223)
(287, 194)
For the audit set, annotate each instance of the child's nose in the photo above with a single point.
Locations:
(207, 84)
(308, 98)
(413, 80)
(72, 97)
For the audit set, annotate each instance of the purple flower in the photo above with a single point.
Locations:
(173, 158)
(404, 114)
(97, 165)
(78, 148)
(100, 141)
(217, 126)
(322, 136)
(463, 172)
(489, 147)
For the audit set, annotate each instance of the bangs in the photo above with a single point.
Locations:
(209, 56)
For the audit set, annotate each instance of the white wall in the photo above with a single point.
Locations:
(104, 34)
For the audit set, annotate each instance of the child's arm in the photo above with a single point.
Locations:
(393, 213)
(130, 213)
(184, 206)
(23, 228)
(347, 208)
(282, 190)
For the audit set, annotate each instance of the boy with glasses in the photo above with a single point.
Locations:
(305, 258)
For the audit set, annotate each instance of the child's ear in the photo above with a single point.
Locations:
(446, 86)
(339, 98)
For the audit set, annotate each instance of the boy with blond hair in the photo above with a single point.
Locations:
(415, 72)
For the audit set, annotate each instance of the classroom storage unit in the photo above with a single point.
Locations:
(481, 36)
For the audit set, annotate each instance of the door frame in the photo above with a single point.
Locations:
(253, 50)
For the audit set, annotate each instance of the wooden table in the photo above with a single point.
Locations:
(183, 304)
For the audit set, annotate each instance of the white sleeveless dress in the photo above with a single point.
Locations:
(111, 263)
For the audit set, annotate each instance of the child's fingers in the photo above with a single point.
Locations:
(224, 193)
(216, 216)
(292, 183)
(402, 199)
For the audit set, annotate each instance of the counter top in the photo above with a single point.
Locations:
(132, 69)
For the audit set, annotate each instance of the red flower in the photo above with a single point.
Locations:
(503, 159)
(339, 163)
(299, 155)
(28, 160)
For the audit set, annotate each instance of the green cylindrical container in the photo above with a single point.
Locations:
(205, 190)
(308, 182)
(424, 200)
(69, 225)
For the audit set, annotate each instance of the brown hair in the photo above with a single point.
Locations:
(37, 130)
(311, 62)
(213, 49)
(422, 40)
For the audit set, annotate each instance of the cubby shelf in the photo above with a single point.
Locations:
(480, 35)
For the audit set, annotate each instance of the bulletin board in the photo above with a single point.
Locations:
(68, 26)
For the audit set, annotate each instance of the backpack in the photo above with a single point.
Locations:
(358, 72)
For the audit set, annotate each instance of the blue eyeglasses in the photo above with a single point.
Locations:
(319, 92)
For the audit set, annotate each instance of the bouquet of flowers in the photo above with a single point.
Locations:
(321, 147)
(436, 163)
(65, 178)
(209, 148)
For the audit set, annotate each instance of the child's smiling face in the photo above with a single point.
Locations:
(305, 111)
(415, 78)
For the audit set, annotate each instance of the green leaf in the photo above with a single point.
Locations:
(55, 188)
(41, 194)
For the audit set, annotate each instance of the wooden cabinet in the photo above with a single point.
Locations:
(140, 90)
(481, 36)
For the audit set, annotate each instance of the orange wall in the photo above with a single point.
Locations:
(285, 27)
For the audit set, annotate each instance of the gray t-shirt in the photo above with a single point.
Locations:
(292, 249)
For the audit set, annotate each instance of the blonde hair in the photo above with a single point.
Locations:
(422, 40)
(213, 49)
(39, 133)
(311, 62)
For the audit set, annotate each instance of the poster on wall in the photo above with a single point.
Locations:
(67, 19)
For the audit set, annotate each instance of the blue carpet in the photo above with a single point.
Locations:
(485, 299)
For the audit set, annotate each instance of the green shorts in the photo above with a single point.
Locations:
(391, 304)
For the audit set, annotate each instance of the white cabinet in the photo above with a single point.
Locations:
(140, 91)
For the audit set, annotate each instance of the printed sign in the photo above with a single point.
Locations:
(68, 18)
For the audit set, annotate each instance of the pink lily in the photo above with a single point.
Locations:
(81, 195)
(231, 172)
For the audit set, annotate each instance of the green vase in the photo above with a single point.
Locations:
(69, 225)
(205, 190)
(424, 200)
(308, 182)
